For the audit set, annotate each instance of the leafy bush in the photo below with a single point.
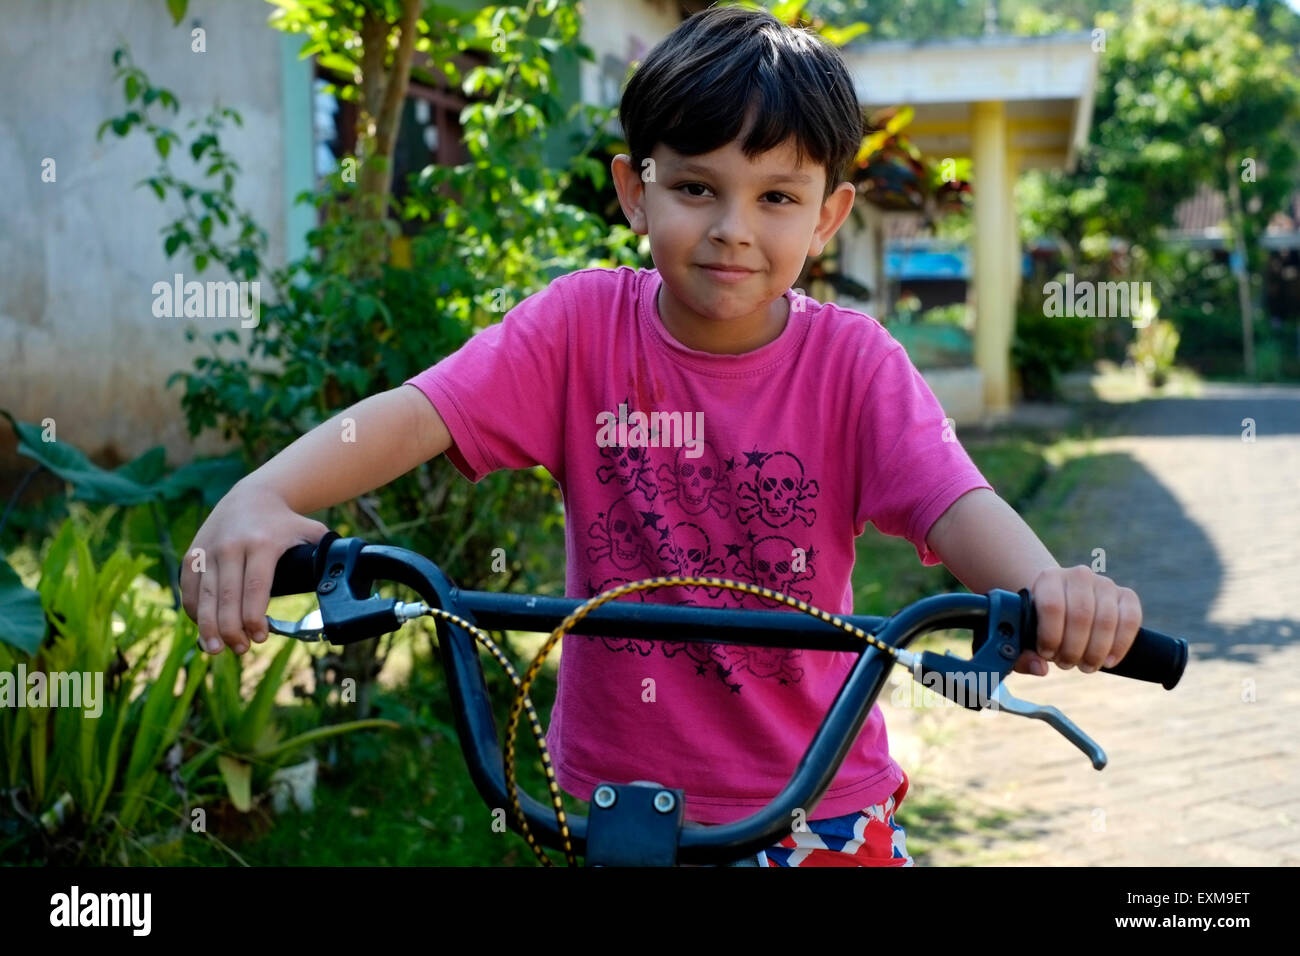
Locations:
(1153, 349)
(344, 322)
(492, 231)
(1046, 346)
(88, 783)
(121, 775)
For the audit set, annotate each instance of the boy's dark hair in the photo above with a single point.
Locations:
(726, 66)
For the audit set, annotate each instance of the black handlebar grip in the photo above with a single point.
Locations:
(295, 572)
(1153, 657)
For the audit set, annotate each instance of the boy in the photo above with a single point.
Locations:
(700, 418)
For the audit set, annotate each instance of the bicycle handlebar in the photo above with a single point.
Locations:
(342, 571)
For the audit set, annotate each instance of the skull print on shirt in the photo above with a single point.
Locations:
(778, 493)
(666, 517)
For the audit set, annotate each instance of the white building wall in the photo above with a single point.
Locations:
(79, 256)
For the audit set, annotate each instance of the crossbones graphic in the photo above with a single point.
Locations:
(619, 539)
(778, 492)
(767, 662)
(630, 466)
(698, 483)
(689, 553)
(769, 566)
(644, 648)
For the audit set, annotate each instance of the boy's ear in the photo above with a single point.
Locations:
(835, 210)
(631, 192)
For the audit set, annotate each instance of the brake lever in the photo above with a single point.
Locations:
(977, 684)
(308, 629)
(1001, 699)
(311, 628)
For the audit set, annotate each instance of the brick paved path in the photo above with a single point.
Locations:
(1206, 528)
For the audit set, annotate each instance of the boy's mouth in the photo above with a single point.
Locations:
(727, 273)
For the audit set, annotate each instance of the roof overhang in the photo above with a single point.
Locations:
(1047, 83)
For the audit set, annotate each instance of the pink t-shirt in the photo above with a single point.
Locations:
(803, 441)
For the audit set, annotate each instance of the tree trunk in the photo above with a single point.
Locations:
(1241, 270)
(383, 93)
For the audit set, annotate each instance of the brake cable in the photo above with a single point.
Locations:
(539, 734)
(523, 702)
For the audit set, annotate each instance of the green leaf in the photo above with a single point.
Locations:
(177, 9)
(324, 733)
(212, 477)
(22, 620)
(900, 119)
(90, 482)
(257, 715)
(152, 739)
(147, 469)
(838, 36)
(239, 781)
(163, 144)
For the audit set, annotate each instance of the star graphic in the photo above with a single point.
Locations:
(700, 669)
(735, 688)
(651, 518)
(663, 532)
(755, 458)
(731, 464)
(733, 550)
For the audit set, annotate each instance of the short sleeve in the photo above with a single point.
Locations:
(912, 466)
(502, 393)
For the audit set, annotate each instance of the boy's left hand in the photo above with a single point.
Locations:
(1084, 618)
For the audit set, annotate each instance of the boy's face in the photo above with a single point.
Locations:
(717, 209)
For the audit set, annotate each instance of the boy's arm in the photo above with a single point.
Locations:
(1083, 617)
(388, 434)
(228, 570)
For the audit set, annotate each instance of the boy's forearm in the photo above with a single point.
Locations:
(361, 448)
(986, 545)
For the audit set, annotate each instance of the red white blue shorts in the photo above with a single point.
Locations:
(868, 837)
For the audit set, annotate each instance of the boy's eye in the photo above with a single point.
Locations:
(686, 186)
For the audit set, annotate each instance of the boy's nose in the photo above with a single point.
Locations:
(732, 227)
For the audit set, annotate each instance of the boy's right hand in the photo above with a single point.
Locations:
(226, 574)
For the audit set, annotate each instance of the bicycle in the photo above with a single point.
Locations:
(641, 823)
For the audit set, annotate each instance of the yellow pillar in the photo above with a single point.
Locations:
(1013, 228)
(1015, 256)
(993, 286)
